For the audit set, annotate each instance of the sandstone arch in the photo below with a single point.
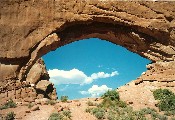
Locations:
(33, 28)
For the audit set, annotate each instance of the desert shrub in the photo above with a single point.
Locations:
(64, 98)
(67, 113)
(161, 94)
(111, 115)
(167, 104)
(153, 114)
(112, 95)
(99, 113)
(121, 104)
(166, 99)
(56, 116)
(111, 98)
(169, 113)
(51, 102)
(30, 105)
(8, 104)
(156, 116)
(107, 103)
(10, 116)
(88, 110)
(147, 111)
(90, 103)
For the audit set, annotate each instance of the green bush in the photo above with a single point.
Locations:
(106, 103)
(56, 116)
(8, 104)
(64, 98)
(99, 113)
(67, 113)
(111, 115)
(112, 95)
(111, 98)
(161, 94)
(10, 116)
(166, 99)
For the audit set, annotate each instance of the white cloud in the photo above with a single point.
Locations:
(96, 90)
(76, 76)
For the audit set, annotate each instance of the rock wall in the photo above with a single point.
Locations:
(31, 28)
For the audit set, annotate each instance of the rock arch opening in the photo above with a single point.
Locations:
(104, 64)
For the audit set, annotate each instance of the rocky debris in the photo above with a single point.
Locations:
(60, 109)
(27, 111)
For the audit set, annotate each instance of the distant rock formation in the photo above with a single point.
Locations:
(29, 29)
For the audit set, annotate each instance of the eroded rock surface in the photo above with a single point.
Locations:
(29, 29)
(36, 86)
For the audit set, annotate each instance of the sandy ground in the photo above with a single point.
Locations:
(77, 108)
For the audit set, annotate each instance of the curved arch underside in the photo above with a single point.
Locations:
(33, 28)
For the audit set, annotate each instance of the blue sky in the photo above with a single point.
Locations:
(89, 67)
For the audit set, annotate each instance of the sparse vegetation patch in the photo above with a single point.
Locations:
(112, 108)
(64, 98)
(10, 116)
(56, 116)
(166, 100)
(64, 115)
(8, 104)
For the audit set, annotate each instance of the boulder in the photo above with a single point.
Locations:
(43, 84)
